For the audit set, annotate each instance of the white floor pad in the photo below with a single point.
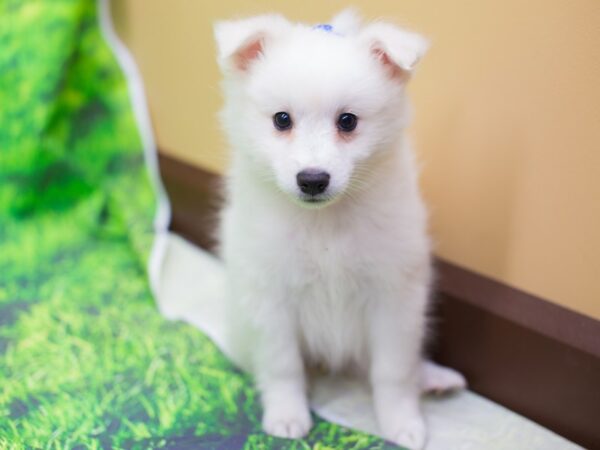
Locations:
(191, 289)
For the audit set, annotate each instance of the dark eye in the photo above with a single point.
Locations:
(347, 122)
(282, 121)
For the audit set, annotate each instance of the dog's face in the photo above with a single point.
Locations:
(309, 106)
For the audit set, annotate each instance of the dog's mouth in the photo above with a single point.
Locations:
(315, 201)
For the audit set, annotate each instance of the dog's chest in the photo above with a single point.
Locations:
(332, 329)
(330, 293)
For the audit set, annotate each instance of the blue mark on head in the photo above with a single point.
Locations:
(324, 26)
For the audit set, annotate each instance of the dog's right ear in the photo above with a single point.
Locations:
(241, 42)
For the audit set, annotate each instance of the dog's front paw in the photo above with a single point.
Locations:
(287, 420)
(410, 434)
(403, 428)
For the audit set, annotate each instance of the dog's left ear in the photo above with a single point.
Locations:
(398, 50)
(241, 42)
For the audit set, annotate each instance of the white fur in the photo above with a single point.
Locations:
(344, 283)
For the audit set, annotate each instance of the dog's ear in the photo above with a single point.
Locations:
(241, 42)
(397, 49)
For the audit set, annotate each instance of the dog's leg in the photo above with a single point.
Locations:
(437, 379)
(280, 375)
(396, 333)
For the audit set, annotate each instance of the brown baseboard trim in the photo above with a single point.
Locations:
(195, 197)
(530, 355)
(529, 311)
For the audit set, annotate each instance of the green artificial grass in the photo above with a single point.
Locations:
(86, 361)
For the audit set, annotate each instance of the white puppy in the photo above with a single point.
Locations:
(324, 232)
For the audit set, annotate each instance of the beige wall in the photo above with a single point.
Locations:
(507, 126)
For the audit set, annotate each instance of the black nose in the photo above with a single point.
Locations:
(312, 181)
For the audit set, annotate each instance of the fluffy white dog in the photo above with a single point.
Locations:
(324, 232)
